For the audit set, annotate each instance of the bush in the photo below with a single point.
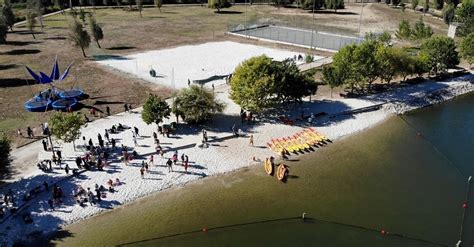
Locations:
(465, 17)
(309, 58)
(3, 30)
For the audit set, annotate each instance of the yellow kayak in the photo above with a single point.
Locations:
(268, 167)
(282, 172)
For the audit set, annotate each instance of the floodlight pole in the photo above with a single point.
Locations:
(312, 31)
(360, 17)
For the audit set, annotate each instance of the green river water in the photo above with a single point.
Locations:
(387, 177)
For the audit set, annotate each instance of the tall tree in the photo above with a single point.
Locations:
(66, 126)
(407, 64)
(332, 77)
(79, 36)
(196, 104)
(467, 48)
(31, 22)
(158, 4)
(414, 4)
(421, 30)
(218, 4)
(441, 52)
(449, 12)
(308, 4)
(334, 4)
(8, 15)
(344, 65)
(290, 85)
(252, 82)
(3, 30)
(389, 62)
(365, 62)
(439, 4)
(5, 159)
(139, 6)
(155, 110)
(465, 17)
(95, 30)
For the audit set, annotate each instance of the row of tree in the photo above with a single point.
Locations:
(419, 31)
(356, 66)
(259, 83)
(81, 38)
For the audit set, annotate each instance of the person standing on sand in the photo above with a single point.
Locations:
(107, 109)
(125, 107)
(251, 140)
(66, 169)
(113, 143)
(136, 131)
(142, 172)
(169, 163)
(186, 162)
(45, 145)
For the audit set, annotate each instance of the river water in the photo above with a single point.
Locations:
(388, 177)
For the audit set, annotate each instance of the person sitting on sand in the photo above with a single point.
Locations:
(117, 182)
(110, 182)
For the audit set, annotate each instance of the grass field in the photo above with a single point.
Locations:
(126, 33)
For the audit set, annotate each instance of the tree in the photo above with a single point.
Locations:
(467, 48)
(421, 31)
(414, 3)
(441, 53)
(387, 62)
(66, 126)
(218, 4)
(196, 104)
(158, 4)
(3, 31)
(36, 6)
(252, 82)
(139, 6)
(334, 4)
(290, 85)
(343, 62)
(79, 36)
(308, 4)
(5, 149)
(404, 30)
(426, 6)
(155, 109)
(96, 30)
(365, 62)
(8, 16)
(31, 22)
(448, 13)
(439, 4)
(465, 17)
(406, 65)
(331, 77)
(82, 15)
(422, 64)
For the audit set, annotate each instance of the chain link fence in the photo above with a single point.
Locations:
(293, 36)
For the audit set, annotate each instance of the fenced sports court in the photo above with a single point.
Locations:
(295, 36)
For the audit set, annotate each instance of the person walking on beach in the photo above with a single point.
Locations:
(152, 161)
(125, 107)
(45, 145)
(113, 143)
(107, 109)
(136, 131)
(186, 162)
(146, 167)
(251, 140)
(142, 172)
(135, 140)
(169, 163)
(182, 158)
(66, 169)
(51, 204)
(106, 135)
(29, 132)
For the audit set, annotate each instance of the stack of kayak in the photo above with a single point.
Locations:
(299, 142)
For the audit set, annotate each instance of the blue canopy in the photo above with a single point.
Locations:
(54, 76)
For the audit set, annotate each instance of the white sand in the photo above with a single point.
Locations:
(225, 154)
(193, 62)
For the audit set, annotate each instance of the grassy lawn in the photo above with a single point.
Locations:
(126, 33)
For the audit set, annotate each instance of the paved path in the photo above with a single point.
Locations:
(316, 64)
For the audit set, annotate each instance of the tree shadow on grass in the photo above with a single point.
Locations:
(331, 12)
(16, 82)
(56, 38)
(228, 12)
(22, 43)
(109, 57)
(119, 48)
(7, 66)
(21, 52)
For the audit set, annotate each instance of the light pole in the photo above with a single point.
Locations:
(360, 17)
(312, 30)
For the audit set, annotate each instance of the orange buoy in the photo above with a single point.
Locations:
(383, 232)
(204, 229)
(464, 205)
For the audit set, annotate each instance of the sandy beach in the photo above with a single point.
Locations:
(225, 153)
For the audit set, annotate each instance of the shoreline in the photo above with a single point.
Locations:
(410, 98)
